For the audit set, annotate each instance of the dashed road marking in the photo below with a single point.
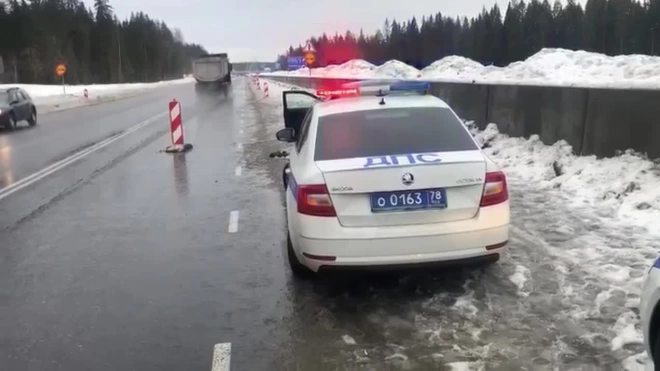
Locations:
(241, 131)
(221, 357)
(238, 171)
(31, 179)
(233, 222)
(239, 146)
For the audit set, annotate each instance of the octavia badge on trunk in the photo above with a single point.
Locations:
(407, 179)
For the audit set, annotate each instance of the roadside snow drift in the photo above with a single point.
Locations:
(50, 98)
(550, 67)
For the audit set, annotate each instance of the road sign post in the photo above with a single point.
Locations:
(60, 70)
(310, 56)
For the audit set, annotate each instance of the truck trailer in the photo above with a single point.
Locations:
(212, 72)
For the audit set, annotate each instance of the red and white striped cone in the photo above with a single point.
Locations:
(265, 89)
(258, 85)
(176, 129)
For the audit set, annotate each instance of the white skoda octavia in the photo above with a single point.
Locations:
(387, 176)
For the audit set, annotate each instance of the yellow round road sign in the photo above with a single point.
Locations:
(310, 58)
(60, 70)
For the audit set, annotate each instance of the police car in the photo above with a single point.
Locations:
(387, 176)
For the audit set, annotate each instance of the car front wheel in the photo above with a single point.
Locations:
(11, 123)
(32, 120)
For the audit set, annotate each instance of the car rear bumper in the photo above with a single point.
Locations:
(401, 251)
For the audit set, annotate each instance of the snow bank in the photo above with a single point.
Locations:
(619, 195)
(52, 97)
(549, 67)
(626, 187)
(396, 69)
(356, 68)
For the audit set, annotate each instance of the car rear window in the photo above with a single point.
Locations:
(390, 132)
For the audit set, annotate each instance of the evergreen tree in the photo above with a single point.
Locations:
(96, 47)
(605, 26)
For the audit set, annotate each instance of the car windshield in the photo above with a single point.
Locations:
(390, 131)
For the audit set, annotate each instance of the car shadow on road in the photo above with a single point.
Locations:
(18, 129)
(416, 283)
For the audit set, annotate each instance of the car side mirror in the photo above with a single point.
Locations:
(286, 135)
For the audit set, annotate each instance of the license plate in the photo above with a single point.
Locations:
(435, 198)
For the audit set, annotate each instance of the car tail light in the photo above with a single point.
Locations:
(495, 189)
(314, 199)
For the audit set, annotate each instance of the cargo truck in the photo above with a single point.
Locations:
(212, 72)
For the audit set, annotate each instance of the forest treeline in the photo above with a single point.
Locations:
(611, 27)
(94, 44)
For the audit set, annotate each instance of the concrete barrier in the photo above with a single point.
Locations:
(593, 121)
(469, 101)
(622, 119)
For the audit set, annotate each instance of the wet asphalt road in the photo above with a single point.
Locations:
(125, 260)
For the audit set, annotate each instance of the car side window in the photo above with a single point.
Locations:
(304, 128)
(22, 96)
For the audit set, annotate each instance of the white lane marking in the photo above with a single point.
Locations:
(239, 146)
(241, 131)
(233, 222)
(31, 179)
(221, 357)
(238, 171)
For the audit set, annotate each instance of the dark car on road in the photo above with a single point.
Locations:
(15, 106)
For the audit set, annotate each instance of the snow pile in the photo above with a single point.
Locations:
(396, 69)
(568, 68)
(554, 67)
(453, 68)
(626, 187)
(356, 68)
(52, 97)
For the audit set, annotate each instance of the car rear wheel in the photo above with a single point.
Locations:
(33, 118)
(298, 270)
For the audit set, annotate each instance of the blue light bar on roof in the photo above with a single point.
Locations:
(410, 86)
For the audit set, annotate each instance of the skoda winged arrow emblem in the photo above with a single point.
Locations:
(407, 179)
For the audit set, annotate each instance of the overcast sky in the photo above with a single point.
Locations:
(251, 30)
